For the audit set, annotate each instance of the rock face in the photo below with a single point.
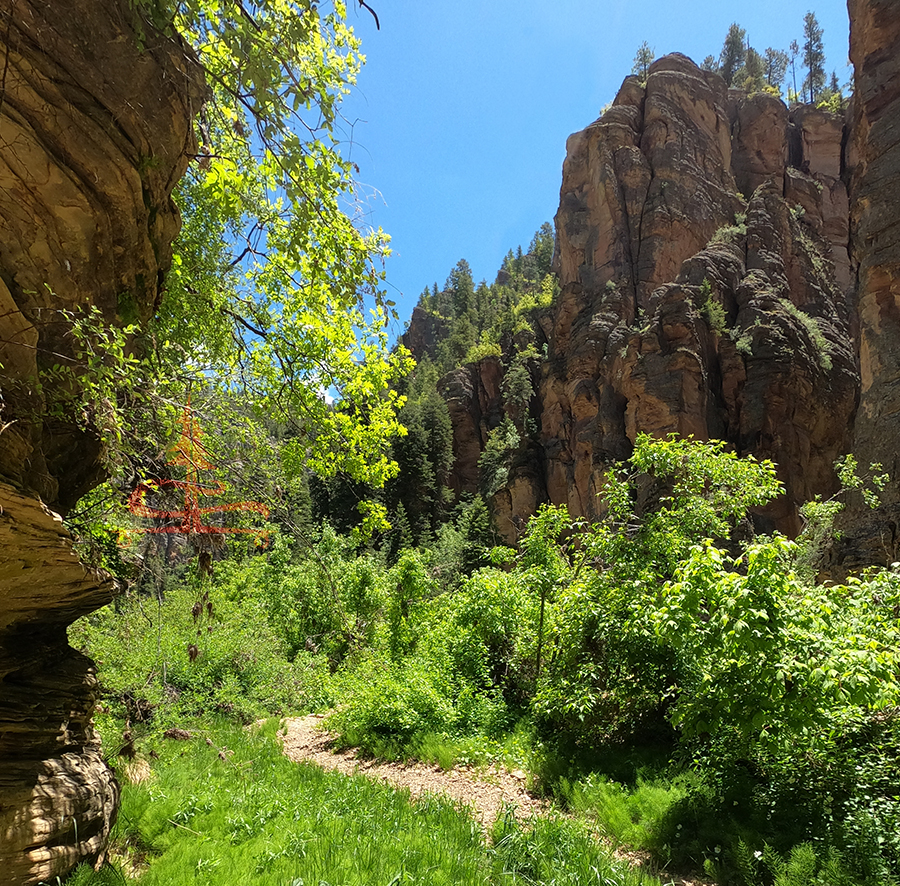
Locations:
(702, 255)
(95, 130)
(874, 155)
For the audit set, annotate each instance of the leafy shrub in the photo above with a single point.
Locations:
(484, 348)
(328, 600)
(821, 346)
(492, 623)
(161, 658)
(611, 673)
(712, 310)
(387, 705)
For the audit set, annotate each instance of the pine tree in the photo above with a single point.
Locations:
(462, 288)
(642, 60)
(733, 53)
(542, 246)
(813, 57)
(794, 52)
(751, 77)
(776, 63)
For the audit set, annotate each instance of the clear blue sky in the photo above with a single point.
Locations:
(460, 118)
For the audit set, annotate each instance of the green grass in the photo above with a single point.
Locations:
(235, 810)
(628, 815)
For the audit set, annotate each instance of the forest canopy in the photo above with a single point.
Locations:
(275, 295)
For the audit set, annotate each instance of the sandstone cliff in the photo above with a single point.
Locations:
(874, 166)
(95, 130)
(702, 256)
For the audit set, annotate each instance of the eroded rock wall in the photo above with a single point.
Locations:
(95, 131)
(702, 255)
(874, 161)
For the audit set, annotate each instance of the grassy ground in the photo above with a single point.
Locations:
(227, 807)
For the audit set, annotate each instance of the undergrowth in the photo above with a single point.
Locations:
(699, 700)
(228, 807)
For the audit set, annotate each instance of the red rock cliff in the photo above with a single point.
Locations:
(874, 159)
(702, 255)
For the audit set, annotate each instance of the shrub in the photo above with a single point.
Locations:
(160, 658)
(388, 705)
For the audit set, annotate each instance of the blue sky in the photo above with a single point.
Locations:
(460, 118)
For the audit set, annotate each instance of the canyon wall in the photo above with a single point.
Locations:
(706, 289)
(95, 131)
(874, 175)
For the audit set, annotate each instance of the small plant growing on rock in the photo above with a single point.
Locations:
(821, 344)
(713, 311)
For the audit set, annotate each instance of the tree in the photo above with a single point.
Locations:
(794, 52)
(813, 57)
(733, 53)
(643, 58)
(462, 288)
(751, 77)
(542, 247)
(275, 292)
(776, 62)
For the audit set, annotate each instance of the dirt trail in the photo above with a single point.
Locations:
(486, 791)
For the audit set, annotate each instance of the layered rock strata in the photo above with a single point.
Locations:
(702, 255)
(95, 130)
(873, 537)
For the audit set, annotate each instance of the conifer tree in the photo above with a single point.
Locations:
(794, 52)
(776, 63)
(733, 53)
(642, 60)
(813, 57)
(751, 77)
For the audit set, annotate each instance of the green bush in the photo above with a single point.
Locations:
(387, 705)
(163, 659)
(329, 599)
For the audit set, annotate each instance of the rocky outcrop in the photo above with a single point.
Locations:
(874, 160)
(702, 255)
(424, 332)
(474, 400)
(95, 130)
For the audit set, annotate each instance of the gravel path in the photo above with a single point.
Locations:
(486, 791)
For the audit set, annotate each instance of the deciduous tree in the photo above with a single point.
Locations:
(276, 290)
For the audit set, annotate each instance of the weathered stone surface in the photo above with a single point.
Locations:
(95, 133)
(473, 399)
(685, 306)
(686, 140)
(95, 130)
(57, 796)
(424, 332)
(873, 537)
(638, 351)
(760, 134)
